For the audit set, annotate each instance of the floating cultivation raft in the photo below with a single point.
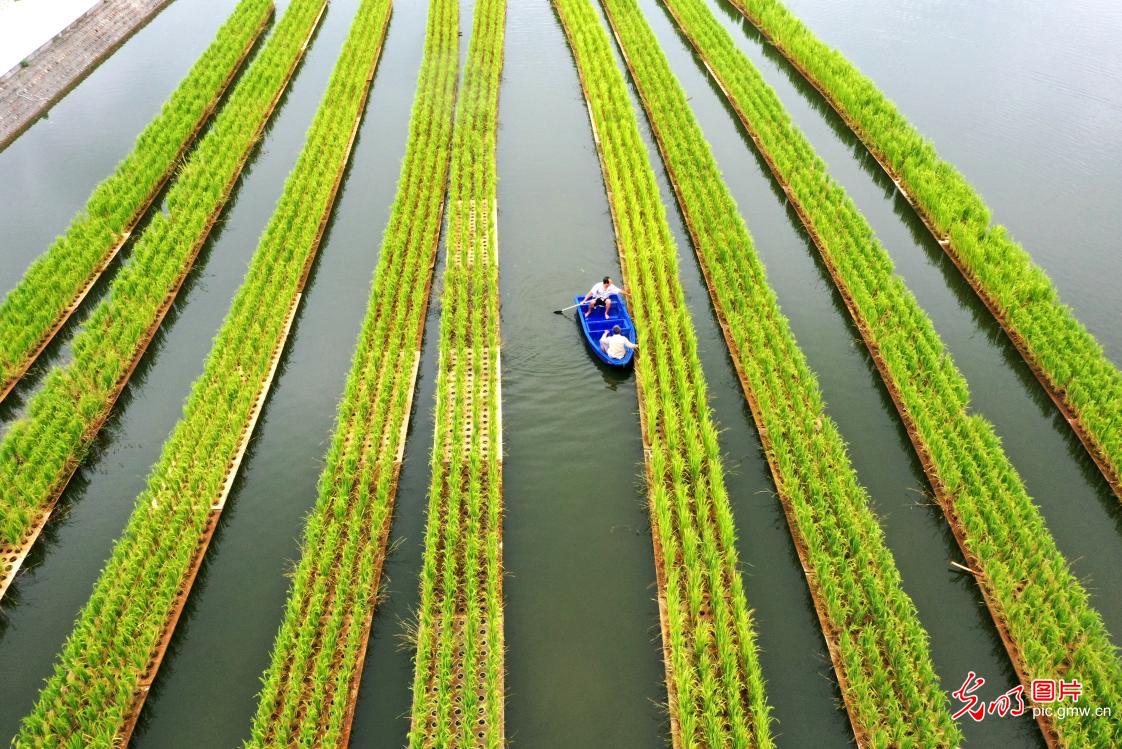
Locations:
(873, 635)
(458, 686)
(107, 665)
(313, 679)
(714, 682)
(41, 452)
(1066, 359)
(33, 313)
(1042, 612)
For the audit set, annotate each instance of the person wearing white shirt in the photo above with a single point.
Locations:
(616, 344)
(601, 296)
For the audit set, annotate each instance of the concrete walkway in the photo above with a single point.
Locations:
(47, 74)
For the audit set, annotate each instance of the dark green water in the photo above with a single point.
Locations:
(1033, 121)
(580, 599)
(49, 171)
(1026, 100)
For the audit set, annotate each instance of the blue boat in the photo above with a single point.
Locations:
(595, 324)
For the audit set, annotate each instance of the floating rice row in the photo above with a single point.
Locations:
(1041, 610)
(108, 663)
(1066, 358)
(714, 682)
(873, 634)
(55, 284)
(41, 451)
(458, 688)
(312, 682)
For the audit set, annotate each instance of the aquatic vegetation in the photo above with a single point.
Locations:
(458, 693)
(872, 630)
(1041, 610)
(312, 681)
(1069, 362)
(586, 664)
(714, 682)
(41, 451)
(109, 661)
(53, 286)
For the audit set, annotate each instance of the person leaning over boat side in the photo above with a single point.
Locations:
(616, 344)
(601, 294)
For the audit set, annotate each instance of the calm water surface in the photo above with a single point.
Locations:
(1029, 113)
(1025, 98)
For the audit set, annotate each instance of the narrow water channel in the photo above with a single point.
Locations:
(385, 694)
(584, 663)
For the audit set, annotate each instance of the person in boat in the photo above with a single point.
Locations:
(616, 344)
(601, 296)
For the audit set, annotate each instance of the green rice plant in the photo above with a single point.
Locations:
(714, 683)
(56, 282)
(1069, 362)
(334, 592)
(1039, 606)
(40, 451)
(458, 685)
(109, 661)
